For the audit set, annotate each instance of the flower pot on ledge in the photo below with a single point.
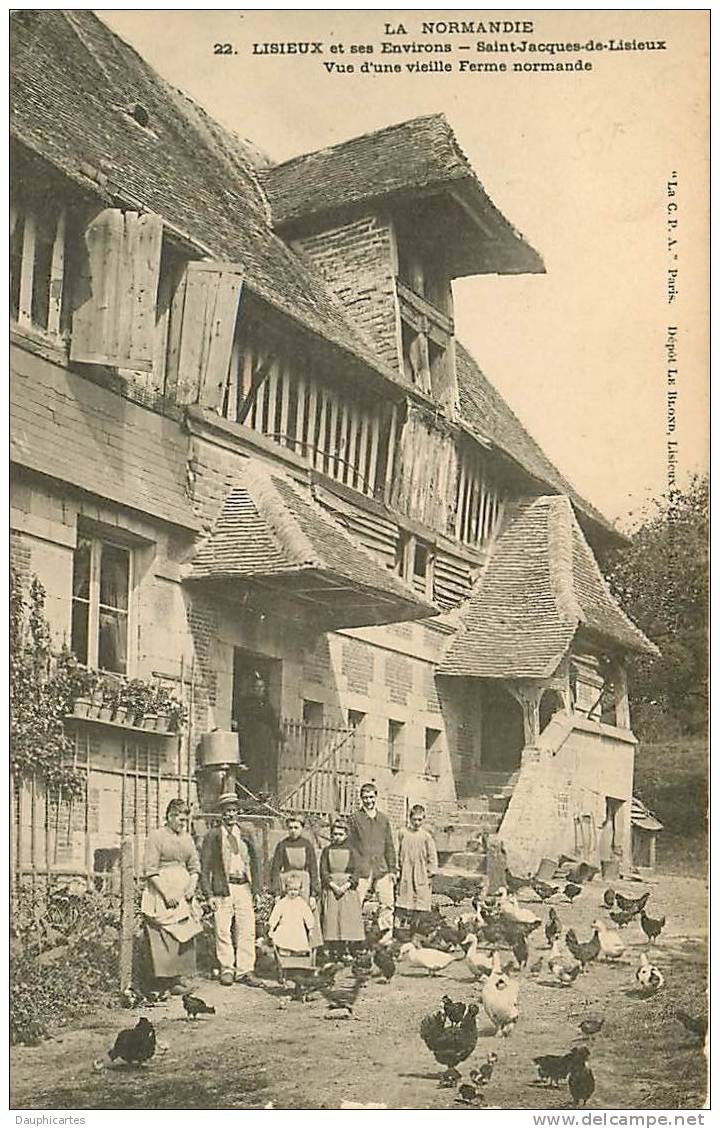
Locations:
(150, 721)
(81, 707)
(106, 712)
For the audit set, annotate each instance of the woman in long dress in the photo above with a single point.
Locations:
(417, 862)
(172, 921)
(342, 922)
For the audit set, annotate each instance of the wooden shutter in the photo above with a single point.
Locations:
(210, 300)
(114, 323)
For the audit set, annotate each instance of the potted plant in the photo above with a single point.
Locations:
(172, 713)
(138, 699)
(96, 701)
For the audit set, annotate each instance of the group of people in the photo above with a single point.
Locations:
(317, 903)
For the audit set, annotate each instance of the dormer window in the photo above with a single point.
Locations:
(415, 563)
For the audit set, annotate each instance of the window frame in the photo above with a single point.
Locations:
(395, 744)
(97, 541)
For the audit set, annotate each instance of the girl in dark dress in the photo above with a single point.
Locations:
(296, 855)
(342, 922)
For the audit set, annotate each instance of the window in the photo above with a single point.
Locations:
(100, 604)
(415, 562)
(37, 266)
(432, 752)
(355, 719)
(313, 714)
(394, 745)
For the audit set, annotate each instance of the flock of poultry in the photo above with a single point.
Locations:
(497, 924)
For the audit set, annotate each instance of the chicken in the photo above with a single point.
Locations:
(609, 898)
(520, 951)
(553, 1068)
(194, 1006)
(454, 1009)
(135, 1044)
(362, 963)
(514, 883)
(565, 972)
(480, 964)
(651, 927)
(432, 960)
(696, 1025)
(384, 962)
(468, 1094)
(571, 891)
(305, 981)
(584, 951)
(633, 905)
(581, 873)
(648, 976)
(591, 1025)
(611, 945)
(343, 997)
(553, 927)
(499, 999)
(622, 917)
(450, 1042)
(543, 889)
(581, 1082)
(482, 1075)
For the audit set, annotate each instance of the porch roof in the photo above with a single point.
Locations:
(541, 585)
(641, 816)
(273, 535)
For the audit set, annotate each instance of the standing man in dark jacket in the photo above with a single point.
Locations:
(370, 837)
(230, 876)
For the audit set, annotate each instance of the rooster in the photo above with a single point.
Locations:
(584, 951)
(451, 1041)
(651, 927)
(632, 905)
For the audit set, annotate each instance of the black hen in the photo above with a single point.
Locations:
(305, 981)
(543, 889)
(450, 1043)
(632, 905)
(194, 1006)
(515, 883)
(553, 1068)
(622, 917)
(581, 1082)
(609, 898)
(651, 927)
(584, 951)
(553, 928)
(383, 961)
(520, 950)
(454, 1010)
(571, 891)
(135, 1044)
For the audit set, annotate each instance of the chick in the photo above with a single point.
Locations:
(591, 1025)
(482, 1075)
(553, 1069)
(650, 978)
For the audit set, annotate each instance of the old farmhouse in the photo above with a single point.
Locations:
(247, 442)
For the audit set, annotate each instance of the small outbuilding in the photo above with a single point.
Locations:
(645, 827)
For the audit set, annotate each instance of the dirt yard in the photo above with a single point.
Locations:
(261, 1051)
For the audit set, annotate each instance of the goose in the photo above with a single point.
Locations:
(432, 960)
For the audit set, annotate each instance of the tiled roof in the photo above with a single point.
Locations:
(540, 586)
(415, 155)
(69, 103)
(483, 408)
(270, 527)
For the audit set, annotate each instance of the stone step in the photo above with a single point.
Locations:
(474, 862)
(456, 837)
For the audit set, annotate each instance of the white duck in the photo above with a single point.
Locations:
(648, 976)
(432, 960)
(499, 998)
(479, 963)
(508, 906)
(611, 945)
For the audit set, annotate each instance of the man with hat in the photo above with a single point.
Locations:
(230, 876)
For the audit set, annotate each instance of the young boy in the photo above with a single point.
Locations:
(417, 861)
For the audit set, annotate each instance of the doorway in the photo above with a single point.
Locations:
(502, 729)
(257, 685)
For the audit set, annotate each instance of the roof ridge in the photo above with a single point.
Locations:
(439, 116)
(258, 482)
(560, 555)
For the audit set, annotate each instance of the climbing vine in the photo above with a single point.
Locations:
(43, 685)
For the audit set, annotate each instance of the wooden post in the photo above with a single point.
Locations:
(127, 913)
(27, 270)
(57, 270)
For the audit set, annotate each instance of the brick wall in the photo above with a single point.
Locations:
(398, 678)
(357, 262)
(358, 666)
